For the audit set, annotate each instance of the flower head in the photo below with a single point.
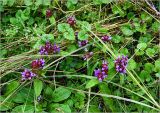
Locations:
(100, 74)
(48, 13)
(121, 64)
(106, 38)
(71, 20)
(37, 64)
(82, 43)
(49, 49)
(105, 67)
(27, 75)
(87, 55)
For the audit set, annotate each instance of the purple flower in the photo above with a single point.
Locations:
(39, 63)
(87, 55)
(105, 67)
(82, 43)
(105, 38)
(27, 75)
(49, 49)
(48, 13)
(100, 74)
(71, 20)
(56, 48)
(121, 64)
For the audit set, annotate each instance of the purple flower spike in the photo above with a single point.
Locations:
(100, 74)
(71, 20)
(27, 75)
(106, 38)
(82, 43)
(121, 64)
(48, 13)
(105, 67)
(36, 64)
(49, 49)
(56, 48)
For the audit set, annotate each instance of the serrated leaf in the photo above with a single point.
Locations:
(63, 27)
(82, 35)
(132, 64)
(60, 94)
(38, 86)
(126, 31)
(91, 83)
(69, 35)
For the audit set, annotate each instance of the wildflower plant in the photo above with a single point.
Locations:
(61, 56)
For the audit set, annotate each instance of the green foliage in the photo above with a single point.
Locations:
(38, 86)
(59, 94)
(67, 83)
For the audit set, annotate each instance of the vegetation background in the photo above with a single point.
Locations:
(67, 82)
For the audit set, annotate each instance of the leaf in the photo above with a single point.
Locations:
(60, 94)
(63, 27)
(69, 35)
(107, 101)
(11, 87)
(141, 46)
(38, 85)
(84, 25)
(157, 65)
(155, 26)
(82, 35)
(150, 52)
(116, 38)
(6, 105)
(148, 67)
(24, 108)
(126, 30)
(91, 83)
(11, 2)
(52, 20)
(28, 2)
(132, 64)
(116, 9)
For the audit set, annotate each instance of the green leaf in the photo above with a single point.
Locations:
(91, 83)
(84, 25)
(6, 105)
(116, 38)
(144, 75)
(63, 27)
(52, 20)
(155, 26)
(60, 94)
(116, 9)
(11, 87)
(157, 65)
(132, 64)
(148, 67)
(69, 35)
(142, 46)
(107, 101)
(24, 109)
(11, 2)
(126, 30)
(150, 52)
(47, 37)
(146, 17)
(82, 35)
(28, 2)
(38, 85)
